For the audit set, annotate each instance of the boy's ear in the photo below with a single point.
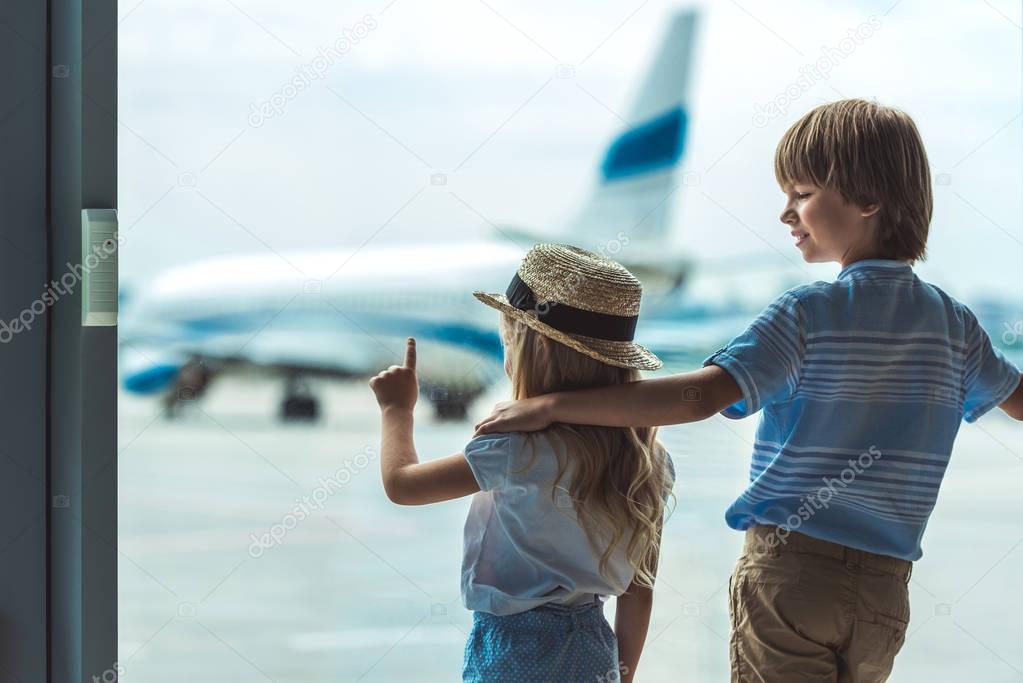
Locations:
(869, 210)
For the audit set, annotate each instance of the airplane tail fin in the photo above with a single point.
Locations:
(640, 168)
(628, 215)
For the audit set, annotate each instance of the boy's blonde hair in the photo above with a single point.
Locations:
(871, 154)
(619, 478)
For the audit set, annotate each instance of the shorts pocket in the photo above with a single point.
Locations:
(886, 598)
(894, 623)
(770, 570)
(881, 625)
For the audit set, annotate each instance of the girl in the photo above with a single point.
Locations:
(562, 518)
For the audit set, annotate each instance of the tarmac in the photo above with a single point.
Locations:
(254, 551)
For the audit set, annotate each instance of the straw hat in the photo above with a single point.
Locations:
(581, 299)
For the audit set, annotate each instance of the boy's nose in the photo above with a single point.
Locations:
(788, 216)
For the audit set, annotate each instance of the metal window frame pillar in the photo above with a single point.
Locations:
(58, 415)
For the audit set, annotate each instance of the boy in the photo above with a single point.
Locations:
(863, 383)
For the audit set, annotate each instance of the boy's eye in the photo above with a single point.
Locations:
(802, 195)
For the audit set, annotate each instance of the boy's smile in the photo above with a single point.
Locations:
(826, 227)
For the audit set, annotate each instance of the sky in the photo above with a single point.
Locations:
(470, 89)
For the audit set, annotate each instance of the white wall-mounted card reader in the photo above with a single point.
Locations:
(99, 267)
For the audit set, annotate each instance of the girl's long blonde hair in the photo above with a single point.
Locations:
(619, 474)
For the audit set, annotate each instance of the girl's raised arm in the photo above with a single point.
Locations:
(406, 480)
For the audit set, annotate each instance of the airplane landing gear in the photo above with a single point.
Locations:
(451, 410)
(189, 386)
(449, 404)
(299, 404)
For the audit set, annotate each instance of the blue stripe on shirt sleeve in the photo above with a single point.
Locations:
(766, 359)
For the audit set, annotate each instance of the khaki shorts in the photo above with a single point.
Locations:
(803, 609)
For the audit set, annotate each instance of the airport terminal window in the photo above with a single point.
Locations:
(256, 539)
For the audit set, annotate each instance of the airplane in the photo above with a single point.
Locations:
(343, 313)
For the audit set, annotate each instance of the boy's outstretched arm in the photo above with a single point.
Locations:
(686, 397)
(1013, 406)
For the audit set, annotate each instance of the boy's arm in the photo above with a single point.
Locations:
(686, 397)
(1013, 405)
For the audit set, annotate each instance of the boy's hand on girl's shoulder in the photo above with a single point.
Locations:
(526, 415)
(397, 386)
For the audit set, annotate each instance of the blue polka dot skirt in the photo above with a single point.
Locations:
(553, 642)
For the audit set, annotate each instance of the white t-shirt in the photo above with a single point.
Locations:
(521, 549)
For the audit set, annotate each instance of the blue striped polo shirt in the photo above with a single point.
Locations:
(863, 383)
